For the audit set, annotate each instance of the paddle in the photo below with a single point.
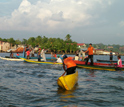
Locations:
(62, 75)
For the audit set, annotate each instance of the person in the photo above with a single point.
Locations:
(43, 54)
(17, 54)
(11, 55)
(76, 57)
(38, 54)
(54, 55)
(69, 64)
(111, 56)
(118, 65)
(32, 52)
(28, 54)
(90, 54)
(59, 60)
(83, 54)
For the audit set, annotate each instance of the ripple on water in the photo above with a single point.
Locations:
(31, 85)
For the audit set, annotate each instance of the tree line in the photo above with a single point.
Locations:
(59, 45)
(52, 44)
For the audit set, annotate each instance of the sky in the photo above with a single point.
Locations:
(87, 21)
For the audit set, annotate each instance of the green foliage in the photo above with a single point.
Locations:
(12, 41)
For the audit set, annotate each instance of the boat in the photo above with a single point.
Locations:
(97, 65)
(68, 82)
(37, 62)
(11, 59)
(107, 61)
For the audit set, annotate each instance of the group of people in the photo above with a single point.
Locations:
(41, 54)
(86, 58)
(68, 63)
(90, 50)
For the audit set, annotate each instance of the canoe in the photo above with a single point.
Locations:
(67, 82)
(11, 59)
(107, 61)
(97, 66)
(37, 62)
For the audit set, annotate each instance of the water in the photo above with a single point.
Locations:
(34, 85)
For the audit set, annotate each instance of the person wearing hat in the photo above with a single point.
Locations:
(59, 60)
(90, 54)
(118, 65)
(69, 64)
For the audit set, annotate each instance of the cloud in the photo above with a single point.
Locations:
(52, 15)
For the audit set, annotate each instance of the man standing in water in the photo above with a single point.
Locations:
(90, 54)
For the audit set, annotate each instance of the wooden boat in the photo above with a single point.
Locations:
(67, 82)
(11, 59)
(37, 62)
(98, 66)
(107, 61)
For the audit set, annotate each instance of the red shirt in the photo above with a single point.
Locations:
(28, 53)
(17, 54)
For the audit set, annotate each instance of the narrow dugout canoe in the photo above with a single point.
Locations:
(99, 67)
(11, 59)
(37, 62)
(107, 61)
(95, 63)
(67, 82)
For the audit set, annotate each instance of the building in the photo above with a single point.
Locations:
(4, 46)
(82, 46)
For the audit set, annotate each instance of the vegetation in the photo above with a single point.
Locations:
(59, 45)
(52, 44)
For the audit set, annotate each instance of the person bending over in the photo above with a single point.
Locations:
(69, 64)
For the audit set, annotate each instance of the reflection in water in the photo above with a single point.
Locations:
(91, 74)
(65, 94)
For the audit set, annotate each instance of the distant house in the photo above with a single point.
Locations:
(4, 46)
(82, 46)
(99, 51)
(110, 47)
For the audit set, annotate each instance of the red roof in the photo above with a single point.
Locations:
(80, 44)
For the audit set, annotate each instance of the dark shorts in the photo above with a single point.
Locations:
(71, 70)
(28, 57)
(111, 58)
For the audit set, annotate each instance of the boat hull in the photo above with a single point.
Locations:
(38, 62)
(67, 82)
(107, 61)
(98, 66)
(11, 59)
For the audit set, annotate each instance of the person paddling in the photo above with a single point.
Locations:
(90, 54)
(70, 64)
(59, 60)
(118, 66)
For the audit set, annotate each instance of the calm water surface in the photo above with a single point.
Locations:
(33, 85)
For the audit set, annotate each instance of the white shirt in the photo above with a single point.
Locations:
(76, 58)
(59, 60)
